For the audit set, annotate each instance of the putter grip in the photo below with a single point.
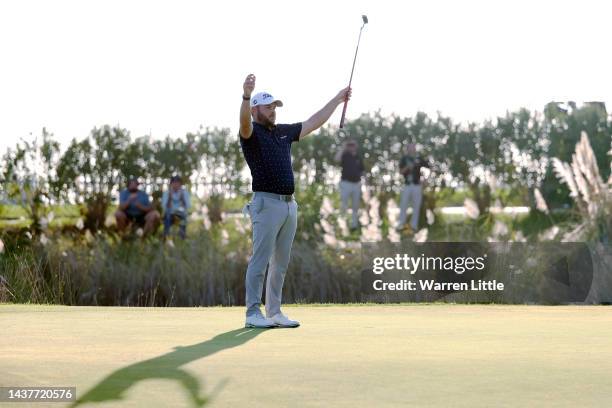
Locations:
(343, 114)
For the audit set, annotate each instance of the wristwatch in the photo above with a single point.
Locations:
(246, 98)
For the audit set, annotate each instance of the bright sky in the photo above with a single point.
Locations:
(169, 67)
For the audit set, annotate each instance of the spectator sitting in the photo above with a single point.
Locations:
(176, 203)
(135, 208)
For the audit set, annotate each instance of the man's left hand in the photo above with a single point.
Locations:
(344, 95)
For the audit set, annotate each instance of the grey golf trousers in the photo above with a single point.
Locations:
(274, 224)
(351, 191)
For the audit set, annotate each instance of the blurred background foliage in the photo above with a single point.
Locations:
(57, 238)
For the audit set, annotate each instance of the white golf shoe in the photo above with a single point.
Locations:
(283, 321)
(258, 321)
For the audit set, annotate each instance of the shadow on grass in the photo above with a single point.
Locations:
(167, 366)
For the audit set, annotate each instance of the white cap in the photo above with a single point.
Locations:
(264, 98)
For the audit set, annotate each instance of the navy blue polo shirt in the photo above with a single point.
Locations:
(268, 154)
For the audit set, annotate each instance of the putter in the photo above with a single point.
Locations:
(365, 21)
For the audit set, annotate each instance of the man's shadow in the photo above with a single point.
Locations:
(167, 366)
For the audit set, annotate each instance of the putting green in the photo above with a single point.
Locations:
(342, 356)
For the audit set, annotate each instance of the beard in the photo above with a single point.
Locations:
(263, 120)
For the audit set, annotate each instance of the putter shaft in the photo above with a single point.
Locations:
(352, 71)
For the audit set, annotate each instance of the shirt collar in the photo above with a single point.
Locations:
(263, 127)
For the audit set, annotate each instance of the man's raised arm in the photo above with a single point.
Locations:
(318, 119)
(246, 127)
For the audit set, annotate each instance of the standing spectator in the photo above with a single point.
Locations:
(135, 208)
(412, 193)
(176, 203)
(350, 181)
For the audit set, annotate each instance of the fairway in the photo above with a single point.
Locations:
(341, 356)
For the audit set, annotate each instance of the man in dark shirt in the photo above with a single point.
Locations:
(350, 180)
(412, 192)
(135, 207)
(273, 211)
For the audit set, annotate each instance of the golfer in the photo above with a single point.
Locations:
(267, 150)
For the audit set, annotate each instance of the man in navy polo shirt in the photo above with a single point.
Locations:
(273, 210)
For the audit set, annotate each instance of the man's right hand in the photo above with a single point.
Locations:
(249, 85)
(246, 127)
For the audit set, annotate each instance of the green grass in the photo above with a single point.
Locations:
(15, 217)
(424, 355)
(62, 211)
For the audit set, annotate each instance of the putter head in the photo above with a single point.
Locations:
(365, 19)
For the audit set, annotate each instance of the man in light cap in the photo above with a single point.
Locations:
(267, 150)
